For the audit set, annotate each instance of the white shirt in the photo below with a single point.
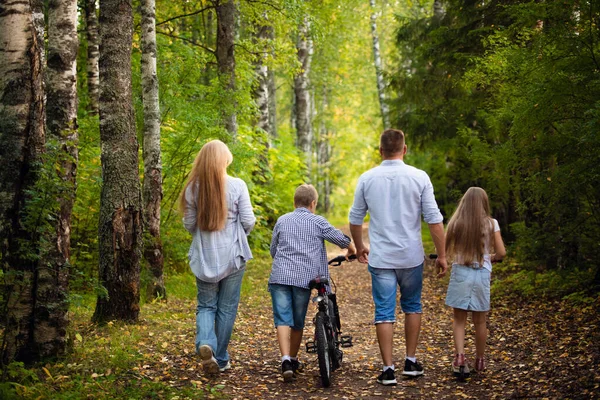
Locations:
(395, 195)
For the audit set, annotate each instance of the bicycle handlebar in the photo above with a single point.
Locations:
(340, 259)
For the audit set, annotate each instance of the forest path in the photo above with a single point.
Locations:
(535, 350)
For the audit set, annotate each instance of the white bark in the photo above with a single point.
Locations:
(152, 189)
(22, 137)
(438, 9)
(379, 68)
(93, 54)
(302, 103)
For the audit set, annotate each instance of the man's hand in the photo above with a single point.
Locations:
(441, 266)
(362, 254)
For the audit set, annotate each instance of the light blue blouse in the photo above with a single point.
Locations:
(215, 255)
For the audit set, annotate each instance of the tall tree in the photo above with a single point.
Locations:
(121, 223)
(302, 102)
(226, 11)
(91, 18)
(152, 191)
(52, 280)
(323, 158)
(379, 68)
(22, 137)
(261, 98)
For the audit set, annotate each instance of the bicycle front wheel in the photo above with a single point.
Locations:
(321, 337)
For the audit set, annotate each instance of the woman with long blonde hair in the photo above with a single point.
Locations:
(473, 242)
(218, 214)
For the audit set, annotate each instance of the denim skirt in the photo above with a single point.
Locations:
(469, 288)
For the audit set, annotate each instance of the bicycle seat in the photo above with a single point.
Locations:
(317, 282)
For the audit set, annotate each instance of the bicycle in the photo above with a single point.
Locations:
(328, 336)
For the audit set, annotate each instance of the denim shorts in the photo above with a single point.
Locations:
(289, 305)
(384, 285)
(469, 289)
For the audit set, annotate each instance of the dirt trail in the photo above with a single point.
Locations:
(535, 350)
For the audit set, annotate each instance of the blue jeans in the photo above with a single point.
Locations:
(289, 305)
(384, 286)
(216, 312)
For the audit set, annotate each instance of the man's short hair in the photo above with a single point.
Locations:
(391, 142)
(305, 194)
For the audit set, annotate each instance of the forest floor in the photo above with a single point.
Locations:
(536, 349)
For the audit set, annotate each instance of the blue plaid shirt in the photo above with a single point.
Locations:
(298, 247)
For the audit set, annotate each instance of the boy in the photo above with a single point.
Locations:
(299, 255)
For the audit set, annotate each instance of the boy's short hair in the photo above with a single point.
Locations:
(391, 142)
(305, 194)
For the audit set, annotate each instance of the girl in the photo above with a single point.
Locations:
(470, 237)
(218, 214)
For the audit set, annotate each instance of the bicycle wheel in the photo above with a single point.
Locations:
(323, 353)
(334, 357)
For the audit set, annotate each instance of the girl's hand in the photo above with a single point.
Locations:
(441, 266)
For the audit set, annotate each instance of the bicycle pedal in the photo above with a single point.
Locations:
(311, 347)
(346, 341)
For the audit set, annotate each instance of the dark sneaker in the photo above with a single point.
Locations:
(287, 371)
(412, 368)
(297, 366)
(387, 378)
(209, 362)
(460, 366)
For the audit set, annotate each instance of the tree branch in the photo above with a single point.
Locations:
(186, 40)
(185, 15)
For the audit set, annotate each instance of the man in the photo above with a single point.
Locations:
(396, 195)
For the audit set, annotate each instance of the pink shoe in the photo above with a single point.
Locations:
(460, 367)
(480, 364)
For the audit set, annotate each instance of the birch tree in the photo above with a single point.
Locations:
(323, 157)
(93, 54)
(379, 68)
(302, 101)
(152, 190)
(225, 51)
(120, 225)
(22, 137)
(51, 296)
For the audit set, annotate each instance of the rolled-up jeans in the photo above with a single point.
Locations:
(216, 312)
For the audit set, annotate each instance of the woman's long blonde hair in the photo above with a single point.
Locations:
(209, 174)
(470, 227)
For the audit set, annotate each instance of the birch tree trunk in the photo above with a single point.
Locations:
(302, 102)
(120, 225)
(438, 9)
(51, 297)
(152, 191)
(272, 88)
(378, 68)
(261, 98)
(22, 138)
(225, 52)
(323, 157)
(261, 91)
(93, 54)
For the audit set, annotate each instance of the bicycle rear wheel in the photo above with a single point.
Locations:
(334, 337)
(321, 337)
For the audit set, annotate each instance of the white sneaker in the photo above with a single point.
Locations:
(226, 367)
(209, 362)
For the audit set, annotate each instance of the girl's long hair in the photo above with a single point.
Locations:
(209, 175)
(470, 227)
